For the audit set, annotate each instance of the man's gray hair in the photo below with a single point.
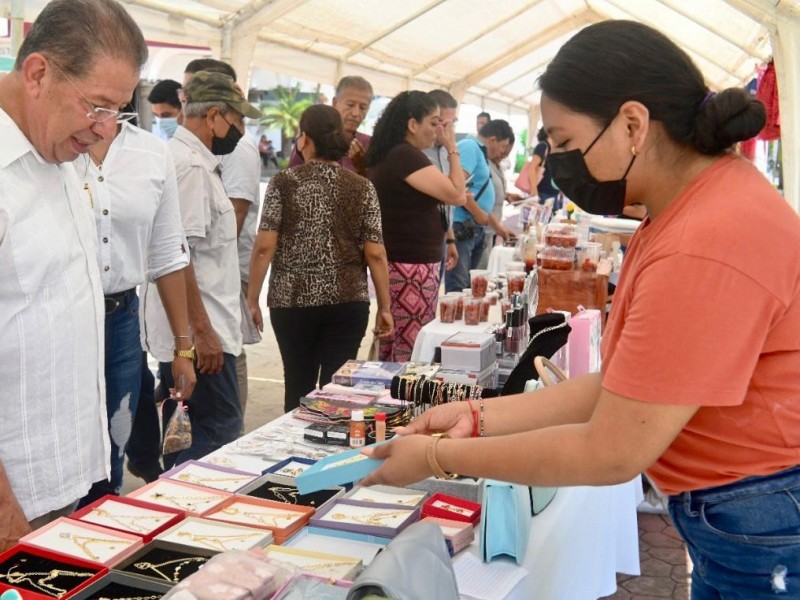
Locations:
(76, 33)
(356, 82)
(199, 109)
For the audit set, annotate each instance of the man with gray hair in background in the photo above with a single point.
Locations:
(63, 95)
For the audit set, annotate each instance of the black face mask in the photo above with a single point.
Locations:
(225, 145)
(572, 177)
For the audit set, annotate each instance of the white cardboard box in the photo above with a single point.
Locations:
(474, 351)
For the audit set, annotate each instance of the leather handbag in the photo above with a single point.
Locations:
(505, 520)
(414, 565)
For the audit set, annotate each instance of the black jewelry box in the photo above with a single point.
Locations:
(171, 563)
(117, 586)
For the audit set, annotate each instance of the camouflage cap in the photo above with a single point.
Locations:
(206, 86)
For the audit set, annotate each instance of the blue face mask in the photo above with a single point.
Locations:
(167, 125)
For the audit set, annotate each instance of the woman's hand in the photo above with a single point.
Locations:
(405, 461)
(456, 419)
(384, 323)
(448, 135)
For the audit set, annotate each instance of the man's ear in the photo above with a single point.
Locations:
(36, 72)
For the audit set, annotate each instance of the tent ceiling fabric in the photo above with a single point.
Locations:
(490, 53)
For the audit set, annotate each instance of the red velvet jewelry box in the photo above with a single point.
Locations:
(254, 518)
(443, 506)
(130, 515)
(17, 552)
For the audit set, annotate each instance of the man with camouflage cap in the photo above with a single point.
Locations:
(213, 124)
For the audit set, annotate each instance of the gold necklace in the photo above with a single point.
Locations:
(324, 566)
(287, 472)
(83, 541)
(179, 562)
(216, 542)
(279, 490)
(375, 519)
(196, 479)
(260, 517)
(403, 502)
(42, 584)
(130, 522)
(179, 500)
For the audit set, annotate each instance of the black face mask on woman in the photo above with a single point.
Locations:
(225, 145)
(572, 177)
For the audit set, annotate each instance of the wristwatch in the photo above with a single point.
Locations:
(190, 353)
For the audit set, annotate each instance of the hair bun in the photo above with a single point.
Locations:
(725, 118)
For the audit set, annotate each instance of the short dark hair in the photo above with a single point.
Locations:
(210, 64)
(443, 98)
(165, 92)
(392, 125)
(483, 114)
(356, 82)
(625, 61)
(541, 135)
(323, 124)
(75, 33)
(497, 128)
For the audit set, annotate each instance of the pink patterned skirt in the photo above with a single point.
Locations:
(414, 290)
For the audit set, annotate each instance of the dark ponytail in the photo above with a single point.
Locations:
(625, 60)
(323, 124)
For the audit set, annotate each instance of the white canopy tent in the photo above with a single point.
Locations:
(485, 53)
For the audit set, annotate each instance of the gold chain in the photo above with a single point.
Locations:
(83, 541)
(216, 542)
(375, 519)
(42, 584)
(196, 479)
(179, 500)
(258, 516)
(130, 521)
(181, 562)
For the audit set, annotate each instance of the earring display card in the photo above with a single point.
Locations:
(384, 494)
(84, 541)
(129, 515)
(194, 499)
(283, 489)
(450, 507)
(165, 562)
(291, 467)
(384, 520)
(209, 475)
(318, 563)
(214, 535)
(39, 574)
(118, 586)
(281, 519)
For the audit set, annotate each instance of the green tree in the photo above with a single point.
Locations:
(285, 115)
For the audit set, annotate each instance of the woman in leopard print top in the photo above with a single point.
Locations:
(320, 229)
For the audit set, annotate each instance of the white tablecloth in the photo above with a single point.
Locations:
(435, 332)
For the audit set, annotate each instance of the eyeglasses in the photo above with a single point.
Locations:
(98, 114)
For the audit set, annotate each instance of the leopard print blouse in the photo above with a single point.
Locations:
(323, 215)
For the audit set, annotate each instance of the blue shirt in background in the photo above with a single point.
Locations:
(473, 161)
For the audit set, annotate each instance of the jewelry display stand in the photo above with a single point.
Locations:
(281, 519)
(385, 520)
(193, 499)
(214, 535)
(164, 562)
(129, 515)
(41, 575)
(318, 563)
(83, 541)
(384, 494)
(208, 475)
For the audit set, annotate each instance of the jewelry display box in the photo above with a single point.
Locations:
(215, 535)
(164, 562)
(452, 508)
(337, 469)
(282, 519)
(284, 490)
(229, 458)
(31, 571)
(193, 499)
(298, 587)
(383, 520)
(83, 541)
(457, 534)
(466, 488)
(212, 476)
(119, 586)
(129, 515)
(322, 564)
(328, 541)
(386, 494)
(291, 467)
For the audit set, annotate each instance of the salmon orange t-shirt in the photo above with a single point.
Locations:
(707, 312)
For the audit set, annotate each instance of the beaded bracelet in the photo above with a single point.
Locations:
(482, 430)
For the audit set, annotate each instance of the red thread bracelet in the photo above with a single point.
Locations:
(475, 419)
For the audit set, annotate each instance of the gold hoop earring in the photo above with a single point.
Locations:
(633, 150)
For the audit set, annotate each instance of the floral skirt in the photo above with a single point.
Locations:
(414, 291)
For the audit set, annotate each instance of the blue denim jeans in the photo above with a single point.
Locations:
(743, 538)
(123, 359)
(144, 445)
(214, 410)
(469, 255)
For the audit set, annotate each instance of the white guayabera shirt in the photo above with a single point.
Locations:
(53, 432)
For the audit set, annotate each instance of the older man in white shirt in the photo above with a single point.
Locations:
(63, 96)
(213, 125)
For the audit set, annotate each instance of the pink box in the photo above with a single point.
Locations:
(83, 541)
(584, 342)
(457, 534)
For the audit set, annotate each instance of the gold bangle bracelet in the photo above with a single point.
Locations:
(433, 463)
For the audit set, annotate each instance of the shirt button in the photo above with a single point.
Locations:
(105, 211)
(100, 179)
(105, 240)
(106, 268)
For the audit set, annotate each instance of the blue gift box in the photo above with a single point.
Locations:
(337, 469)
